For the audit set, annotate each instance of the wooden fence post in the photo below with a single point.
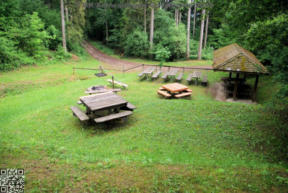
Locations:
(113, 82)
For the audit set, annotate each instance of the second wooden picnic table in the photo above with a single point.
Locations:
(174, 90)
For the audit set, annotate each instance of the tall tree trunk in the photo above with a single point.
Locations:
(180, 16)
(63, 26)
(66, 13)
(176, 16)
(194, 22)
(201, 34)
(151, 27)
(107, 30)
(206, 29)
(145, 18)
(188, 33)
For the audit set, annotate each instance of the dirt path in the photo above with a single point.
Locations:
(120, 64)
(111, 61)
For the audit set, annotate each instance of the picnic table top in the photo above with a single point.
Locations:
(175, 87)
(103, 101)
(196, 74)
(149, 70)
(173, 72)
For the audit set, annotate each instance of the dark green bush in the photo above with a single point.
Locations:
(136, 44)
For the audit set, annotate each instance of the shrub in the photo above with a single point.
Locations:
(61, 54)
(31, 36)
(10, 57)
(169, 35)
(136, 44)
(161, 53)
(54, 40)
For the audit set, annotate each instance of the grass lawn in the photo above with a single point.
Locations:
(198, 145)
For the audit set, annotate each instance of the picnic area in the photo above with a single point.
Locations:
(160, 96)
(185, 132)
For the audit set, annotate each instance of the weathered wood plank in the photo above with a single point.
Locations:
(175, 87)
(156, 74)
(164, 93)
(113, 116)
(150, 70)
(184, 94)
(189, 78)
(179, 77)
(173, 72)
(80, 114)
(103, 101)
(204, 80)
(130, 106)
(165, 76)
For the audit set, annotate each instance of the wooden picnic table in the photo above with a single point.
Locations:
(174, 90)
(175, 87)
(195, 75)
(149, 71)
(113, 105)
(103, 101)
(173, 72)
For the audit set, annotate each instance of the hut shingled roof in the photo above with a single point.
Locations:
(236, 59)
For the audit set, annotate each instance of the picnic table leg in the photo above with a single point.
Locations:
(87, 111)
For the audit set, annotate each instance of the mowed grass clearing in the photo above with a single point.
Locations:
(198, 145)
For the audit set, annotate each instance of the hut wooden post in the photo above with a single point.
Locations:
(255, 87)
(230, 75)
(236, 87)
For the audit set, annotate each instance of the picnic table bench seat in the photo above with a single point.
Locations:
(164, 93)
(156, 74)
(173, 72)
(179, 77)
(141, 74)
(129, 106)
(165, 76)
(184, 94)
(80, 114)
(189, 78)
(204, 80)
(113, 116)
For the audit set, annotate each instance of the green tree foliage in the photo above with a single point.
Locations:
(161, 53)
(268, 39)
(169, 36)
(136, 44)
(22, 41)
(29, 28)
(30, 36)
(9, 56)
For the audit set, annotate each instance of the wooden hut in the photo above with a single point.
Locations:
(237, 60)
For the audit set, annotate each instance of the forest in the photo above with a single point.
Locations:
(48, 60)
